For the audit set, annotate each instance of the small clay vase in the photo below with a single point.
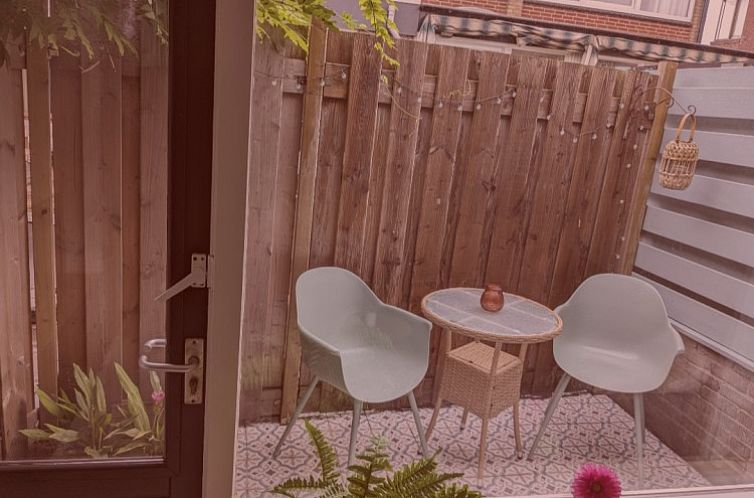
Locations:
(492, 298)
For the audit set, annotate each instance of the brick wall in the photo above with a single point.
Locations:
(685, 31)
(705, 410)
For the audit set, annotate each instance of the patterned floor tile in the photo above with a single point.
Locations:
(584, 429)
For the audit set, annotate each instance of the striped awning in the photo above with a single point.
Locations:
(540, 36)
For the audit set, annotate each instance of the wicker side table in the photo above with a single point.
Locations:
(484, 379)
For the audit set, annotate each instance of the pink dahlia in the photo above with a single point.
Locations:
(595, 481)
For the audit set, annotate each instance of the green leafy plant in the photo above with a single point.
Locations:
(84, 424)
(293, 17)
(101, 28)
(372, 477)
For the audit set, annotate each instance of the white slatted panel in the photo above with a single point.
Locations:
(701, 240)
(725, 148)
(723, 195)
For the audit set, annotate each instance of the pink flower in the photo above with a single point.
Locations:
(595, 481)
(158, 396)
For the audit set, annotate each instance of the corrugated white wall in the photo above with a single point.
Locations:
(697, 246)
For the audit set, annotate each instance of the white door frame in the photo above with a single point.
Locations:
(234, 36)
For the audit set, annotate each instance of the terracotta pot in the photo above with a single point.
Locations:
(492, 298)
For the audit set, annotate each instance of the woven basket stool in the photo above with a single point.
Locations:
(484, 381)
(679, 158)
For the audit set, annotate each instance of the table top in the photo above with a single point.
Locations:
(520, 321)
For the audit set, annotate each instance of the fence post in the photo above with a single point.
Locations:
(16, 382)
(638, 204)
(302, 235)
(43, 234)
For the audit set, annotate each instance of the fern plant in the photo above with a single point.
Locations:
(373, 476)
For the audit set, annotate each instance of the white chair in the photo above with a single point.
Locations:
(616, 336)
(350, 339)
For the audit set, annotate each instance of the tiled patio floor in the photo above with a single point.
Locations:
(585, 428)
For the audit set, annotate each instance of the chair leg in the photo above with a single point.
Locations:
(296, 414)
(433, 420)
(357, 406)
(643, 420)
(550, 410)
(418, 420)
(483, 447)
(639, 423)
(517, 430)
(464, 418)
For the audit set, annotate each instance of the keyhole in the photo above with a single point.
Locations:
(193, 385)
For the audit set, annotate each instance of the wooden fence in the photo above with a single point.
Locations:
(97, 141)
(457, 168)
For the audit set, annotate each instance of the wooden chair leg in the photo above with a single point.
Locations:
(464, 418)
(483, 447)
(517, 430)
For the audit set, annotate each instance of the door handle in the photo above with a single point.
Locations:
(193, 368)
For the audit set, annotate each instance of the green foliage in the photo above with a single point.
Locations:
(101, 28)
(293, 17)
(85, 425)
(369, 478)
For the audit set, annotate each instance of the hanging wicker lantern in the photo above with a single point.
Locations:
(679, 158)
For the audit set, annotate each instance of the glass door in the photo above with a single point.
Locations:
(105, 200)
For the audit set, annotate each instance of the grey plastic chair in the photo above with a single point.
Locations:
(351, 340)
(616, 336)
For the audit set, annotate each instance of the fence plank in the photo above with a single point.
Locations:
(282, 236)
(357, 156)
(101, 103)
(131, 206)
(478, 161)
(584, 192)
(440, 168)
(623, 161)
(551, 193)
(153, 237)
(65, 92)
(43, 234)
(390, 264)
(548, 203)
(727, 148)
(515, 177)
(302, 236)
(16, 382)
(719, 287)
(727, 242)
(724, 195)
(638, 203)
(721, 102)
(265, 133)
(717, 330)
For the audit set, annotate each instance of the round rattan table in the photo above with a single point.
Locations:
(482, 378)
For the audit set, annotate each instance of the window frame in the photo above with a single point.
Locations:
(633, 10)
